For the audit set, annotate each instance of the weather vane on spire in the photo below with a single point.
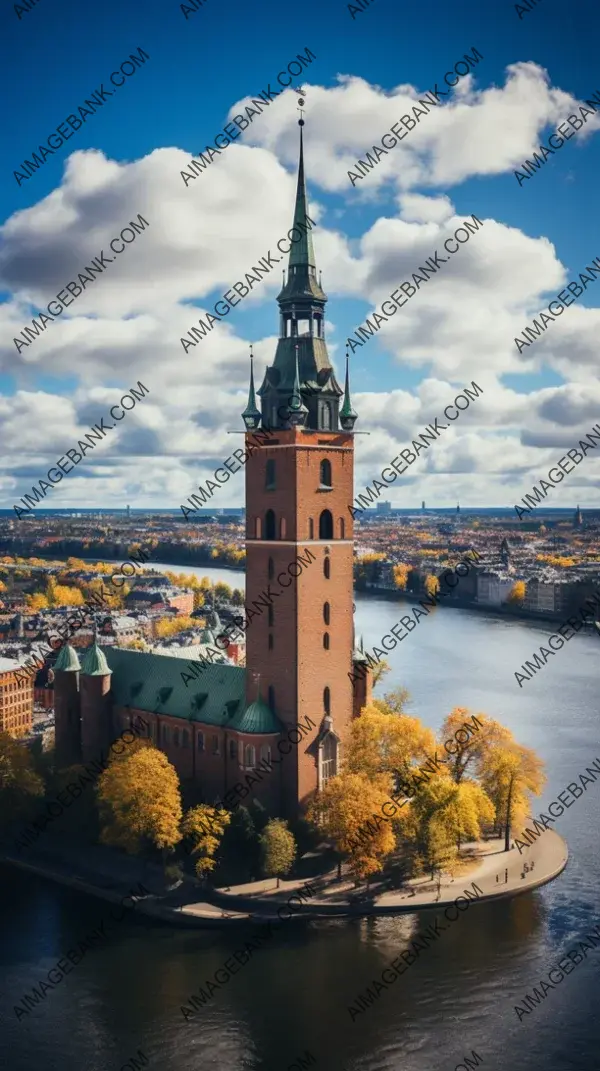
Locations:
(301, 96)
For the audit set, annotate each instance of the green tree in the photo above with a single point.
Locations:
(20, 785)
(240, 849)
(258, 815)
(277, 848)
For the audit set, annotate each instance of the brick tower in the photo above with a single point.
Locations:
(299, 485)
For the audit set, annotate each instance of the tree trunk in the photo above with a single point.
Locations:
(278, 881)
(508, 808)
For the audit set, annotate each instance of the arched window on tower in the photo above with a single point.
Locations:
(270, 525)
(258, 528)
(326, 569)
(325, 476)
(329, 754)
(326, 525)
(326, 702)
(249, 757)
(326, 612)
(270, 475)
(342, 528)
(282, 528)
(326, 640)
(325, 416)
(311, 528)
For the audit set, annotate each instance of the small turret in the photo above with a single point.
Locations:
(67, 718)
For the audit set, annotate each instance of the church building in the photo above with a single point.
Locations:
(300, 653)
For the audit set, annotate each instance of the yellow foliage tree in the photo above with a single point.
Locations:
(517, 592)
(67, 596)
(432, 584)
(277, 849)
(468, 756)
(380, 744)
(139, 800)
(380, 670)
(511, 775)
(204, 826)
(36, 602)
(400, 573)
(171, 626)
(341, 812)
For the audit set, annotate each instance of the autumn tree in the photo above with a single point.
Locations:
(67, 596)
(380, 670)
(432, 584)
(517, 592)
(171, 626)
(394, 702)
(20, 785)
(348, 812)
(466, 756)
(277, 849)
(204, 827)
(222, 592)
(400, 573)
(511, 775)
(378, 743)
(36, 602)
(139, 800)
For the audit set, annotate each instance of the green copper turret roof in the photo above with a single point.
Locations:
(94, 662)
(256, 718)
(67, 659)
(251, 409)
(347, 412)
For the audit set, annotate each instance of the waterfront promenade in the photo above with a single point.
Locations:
(498, 874)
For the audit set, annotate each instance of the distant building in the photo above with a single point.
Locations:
(493, 588)
(16, 698)
(578, 519)
(383, 507)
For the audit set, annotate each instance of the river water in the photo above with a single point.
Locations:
(292, 996)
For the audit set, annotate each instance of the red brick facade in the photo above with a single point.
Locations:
(297, 657)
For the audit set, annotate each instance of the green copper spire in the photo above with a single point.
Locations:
(251, 415)
(348, 416)
(301, 366)
(302, 252)
(94, 662)
(67, 659)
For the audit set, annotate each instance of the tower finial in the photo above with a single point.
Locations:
(301, 94)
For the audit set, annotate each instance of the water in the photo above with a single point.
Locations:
(294, 993)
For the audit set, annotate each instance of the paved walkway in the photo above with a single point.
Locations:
(497, 873)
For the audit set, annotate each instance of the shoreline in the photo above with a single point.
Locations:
(221, 910)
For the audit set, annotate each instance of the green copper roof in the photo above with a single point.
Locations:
(94, 662)
(160, 684)
(257, 718)
(67, 659)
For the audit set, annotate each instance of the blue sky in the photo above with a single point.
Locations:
(199, 68)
